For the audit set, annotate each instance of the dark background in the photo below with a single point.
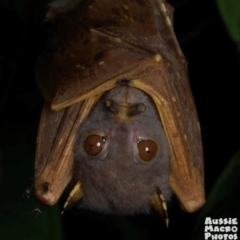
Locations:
(214, 75)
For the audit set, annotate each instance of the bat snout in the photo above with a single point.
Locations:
(125, 113)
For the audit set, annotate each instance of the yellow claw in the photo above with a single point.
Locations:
(164, 205)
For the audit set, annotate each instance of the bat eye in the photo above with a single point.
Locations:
(94, 144)
(147, 150)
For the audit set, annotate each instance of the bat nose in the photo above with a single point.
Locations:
(125, 112)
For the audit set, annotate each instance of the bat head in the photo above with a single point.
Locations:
(122, 153)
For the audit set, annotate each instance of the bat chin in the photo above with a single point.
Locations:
(128, 201)
(121, 200)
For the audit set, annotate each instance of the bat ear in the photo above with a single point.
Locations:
(74, 196)
(158, 203)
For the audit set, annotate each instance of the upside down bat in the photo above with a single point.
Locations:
(119, 121)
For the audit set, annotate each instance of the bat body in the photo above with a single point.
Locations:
(119, 120)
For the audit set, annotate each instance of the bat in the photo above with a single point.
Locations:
(119, 125)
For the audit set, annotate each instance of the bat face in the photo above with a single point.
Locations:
(122, 154)
(119, 121)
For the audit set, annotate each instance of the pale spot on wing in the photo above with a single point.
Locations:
(101, 63)
(118, 40)
(158, 57)
(185, 136)
(60, 142)
(168, 21)
(198, 126)
(163, 8)
(164, 206)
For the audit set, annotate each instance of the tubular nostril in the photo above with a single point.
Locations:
(136, 109)
(112, 106)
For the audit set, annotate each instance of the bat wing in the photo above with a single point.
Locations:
(89, 48)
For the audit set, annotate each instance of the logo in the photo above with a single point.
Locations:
(221, 228)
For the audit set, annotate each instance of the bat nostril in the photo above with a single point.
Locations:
(136, 109)
(112, 106)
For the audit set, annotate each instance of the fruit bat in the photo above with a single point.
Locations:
(119, 125)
